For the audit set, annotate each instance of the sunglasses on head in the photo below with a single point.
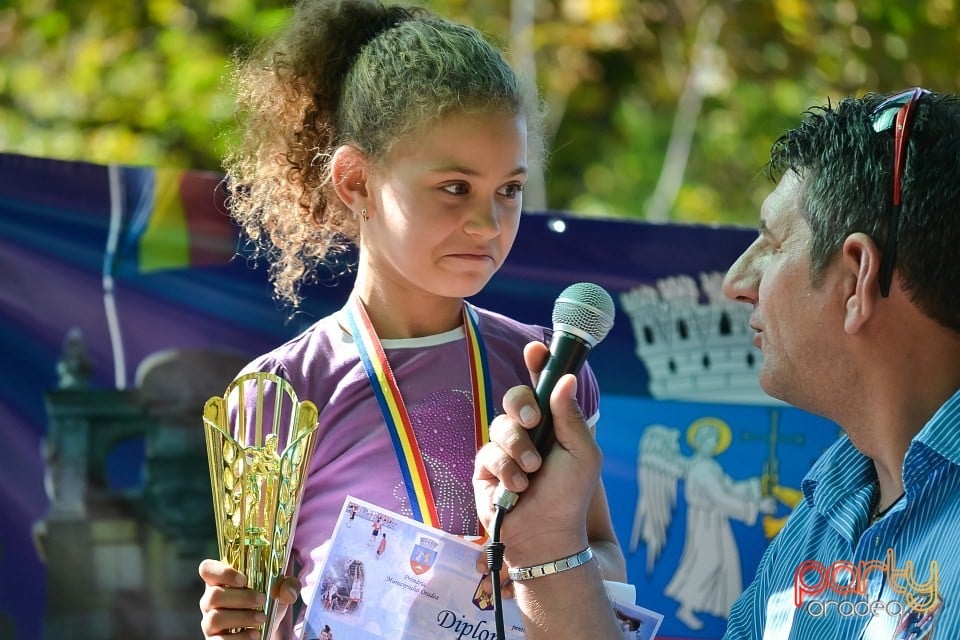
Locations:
(896, 111)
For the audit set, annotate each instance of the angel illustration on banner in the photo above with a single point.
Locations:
(708, 577)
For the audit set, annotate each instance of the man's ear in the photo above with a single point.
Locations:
(349, 173)
(860, 260)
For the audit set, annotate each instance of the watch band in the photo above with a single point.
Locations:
(548, 568)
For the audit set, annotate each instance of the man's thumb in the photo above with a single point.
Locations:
(567, 416)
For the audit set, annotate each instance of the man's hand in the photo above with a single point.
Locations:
(549, 520)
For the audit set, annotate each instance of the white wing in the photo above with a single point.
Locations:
(659, 465)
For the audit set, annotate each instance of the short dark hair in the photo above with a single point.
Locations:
(847, 173)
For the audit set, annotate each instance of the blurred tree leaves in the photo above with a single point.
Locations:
(713, 81)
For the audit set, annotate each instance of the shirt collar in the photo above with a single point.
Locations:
(937, 441)
(838, 473)
(843, 472)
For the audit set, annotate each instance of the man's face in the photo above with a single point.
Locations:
(792, 318)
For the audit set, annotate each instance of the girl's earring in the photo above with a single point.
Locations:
(363, 214)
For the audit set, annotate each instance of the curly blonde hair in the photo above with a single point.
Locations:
(346, 72)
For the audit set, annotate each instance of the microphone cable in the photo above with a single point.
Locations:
(495, 550)
(503, 501)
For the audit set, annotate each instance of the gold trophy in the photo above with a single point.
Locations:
(260, 439)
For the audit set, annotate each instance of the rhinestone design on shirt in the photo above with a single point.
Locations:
(440, 422)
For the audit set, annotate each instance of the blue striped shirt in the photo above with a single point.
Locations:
(830, 573)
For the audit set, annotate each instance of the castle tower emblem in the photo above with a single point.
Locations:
(694, 342)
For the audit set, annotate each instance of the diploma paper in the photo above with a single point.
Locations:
(387, 576)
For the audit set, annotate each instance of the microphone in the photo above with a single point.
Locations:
(582, 316)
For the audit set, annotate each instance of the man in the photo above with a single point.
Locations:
(854, 281)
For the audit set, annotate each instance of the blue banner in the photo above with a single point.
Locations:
(111, 277)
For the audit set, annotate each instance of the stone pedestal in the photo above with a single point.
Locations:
(122, 561)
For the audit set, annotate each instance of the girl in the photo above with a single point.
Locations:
(406, 135)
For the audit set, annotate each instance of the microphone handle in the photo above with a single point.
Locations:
(568, 352)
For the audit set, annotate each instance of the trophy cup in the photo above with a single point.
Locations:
(260, 439)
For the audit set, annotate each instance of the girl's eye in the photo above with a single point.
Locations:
(456, 188)
(511, 190)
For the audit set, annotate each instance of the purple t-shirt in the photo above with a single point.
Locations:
(354, 453)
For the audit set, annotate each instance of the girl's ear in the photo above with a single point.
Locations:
(349, 172)
(861, 261)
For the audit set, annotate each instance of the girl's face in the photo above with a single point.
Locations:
(446, 205)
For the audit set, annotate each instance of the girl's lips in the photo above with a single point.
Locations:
(474, 257)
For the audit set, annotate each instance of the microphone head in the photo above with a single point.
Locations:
(585, 310)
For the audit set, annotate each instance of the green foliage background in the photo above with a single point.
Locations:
(142, 82)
